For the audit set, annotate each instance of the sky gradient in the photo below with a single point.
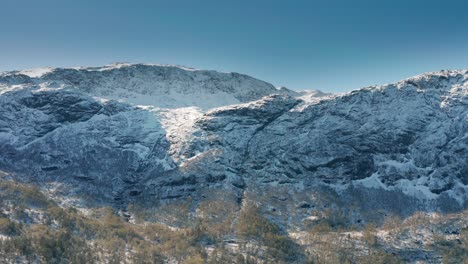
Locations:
(333, 46)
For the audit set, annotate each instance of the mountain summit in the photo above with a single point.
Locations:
(165, 86)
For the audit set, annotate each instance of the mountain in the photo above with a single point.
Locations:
(154, 136)
(165, 86)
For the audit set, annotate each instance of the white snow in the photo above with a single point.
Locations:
(37, 72)
(312, 217)
(411, 188)
(371, 182)
(313, 98)
(179, 126)
(172, 99)
(119, 65)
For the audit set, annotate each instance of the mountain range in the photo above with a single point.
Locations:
(156, 135)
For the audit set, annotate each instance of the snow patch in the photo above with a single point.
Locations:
(37, 72)
(371, 182)
(411, 188)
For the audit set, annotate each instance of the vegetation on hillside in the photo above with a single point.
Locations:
(35, 229)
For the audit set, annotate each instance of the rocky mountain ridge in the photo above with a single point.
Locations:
(399, 147)
(165, 86)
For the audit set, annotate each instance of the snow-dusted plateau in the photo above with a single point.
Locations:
(152, 136)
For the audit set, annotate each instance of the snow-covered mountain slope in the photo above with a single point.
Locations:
(399, 148)
(313, 92)
(409, 138)
(165, 86)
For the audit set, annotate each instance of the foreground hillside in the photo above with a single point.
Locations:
(229, 164)
(35, 229)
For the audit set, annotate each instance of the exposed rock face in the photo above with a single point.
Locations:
(66, 137)
(409, 137)
(399, 147)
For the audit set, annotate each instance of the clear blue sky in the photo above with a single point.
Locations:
(328, 45)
